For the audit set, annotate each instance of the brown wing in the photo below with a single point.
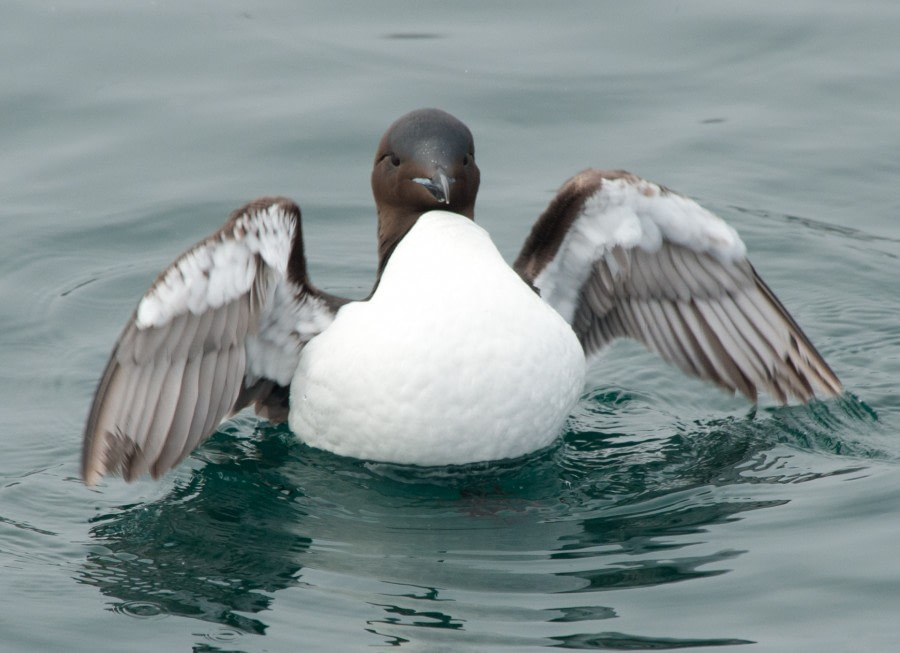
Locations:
(621, 257)
(220, 325)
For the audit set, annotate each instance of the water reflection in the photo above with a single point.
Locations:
(215, 549)
(622, 642)
(463, 551)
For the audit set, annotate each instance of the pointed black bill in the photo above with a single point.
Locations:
(438, 185)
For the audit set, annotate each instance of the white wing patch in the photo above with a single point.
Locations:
(286, 325)
(638, 213)
(630, 213)
(220, 269)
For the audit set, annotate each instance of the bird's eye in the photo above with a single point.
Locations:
(395, 160)
(466, 160)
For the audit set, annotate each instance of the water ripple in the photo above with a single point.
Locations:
(600, 512)
(140, 609)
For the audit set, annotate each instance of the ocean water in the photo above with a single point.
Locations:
(668, 515)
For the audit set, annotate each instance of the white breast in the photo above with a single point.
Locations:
(453, 360)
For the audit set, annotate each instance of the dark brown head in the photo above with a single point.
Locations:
(425, 161)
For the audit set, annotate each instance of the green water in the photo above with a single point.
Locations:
(667, 516)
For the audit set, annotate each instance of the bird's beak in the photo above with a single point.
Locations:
(438, 185)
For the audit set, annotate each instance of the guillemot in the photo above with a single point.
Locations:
(455, 357)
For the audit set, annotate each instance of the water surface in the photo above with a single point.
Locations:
(667, 516)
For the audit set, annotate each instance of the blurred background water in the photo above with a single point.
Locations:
(667, 516)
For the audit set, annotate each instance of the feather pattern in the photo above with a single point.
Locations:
(619, 256)
(234, 309)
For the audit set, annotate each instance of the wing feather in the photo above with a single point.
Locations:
(619, 256)
(174, 441)
(164, 414)
(181, 361)
(651, 329)
(677, 352)
(202, 408)
(734, 352)
(694, 362)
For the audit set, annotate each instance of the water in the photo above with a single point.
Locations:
(668, 515)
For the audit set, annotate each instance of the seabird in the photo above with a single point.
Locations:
(455, 357)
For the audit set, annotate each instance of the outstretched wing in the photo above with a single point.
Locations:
(220, 328)
(619, 256)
